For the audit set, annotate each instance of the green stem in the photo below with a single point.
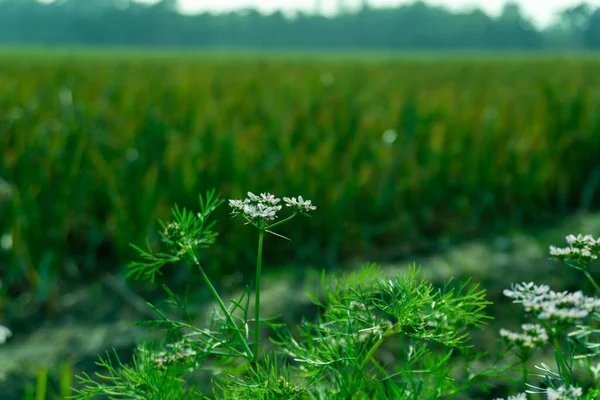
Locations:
(525, 375)
(379, 368)
(261, 235)
(213, 291)
(282, 221)
(373, 349)
(561, 357)
(587, 274)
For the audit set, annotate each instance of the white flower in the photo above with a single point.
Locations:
(300, 205)
(268, 198)
(525, 291)
(580, 240)
(266, 206)
(533, 336)
(256, 207)
(554, 306)
(520, 396)
(5, 333)
(563, 393)
(582, 249)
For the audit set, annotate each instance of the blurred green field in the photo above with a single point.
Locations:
(395, 152)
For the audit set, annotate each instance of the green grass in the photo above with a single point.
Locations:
(96, 148)
(32, 52)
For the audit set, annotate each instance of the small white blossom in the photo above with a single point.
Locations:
(525, 291)
(533, 336)
(253, 197)
(257, 207)
(300, 205)
(268, 198)
(5, 333)
(553, 306)
(581, 249)
(520, 396)
(563, 393)
(580, 240)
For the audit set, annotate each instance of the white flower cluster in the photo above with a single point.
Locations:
(257, 207)
(266, 206)
(5, 333)
(299, 205)
(533, 336)
(520, 396)
(526, 291)
(564, 393)
(581, 248)
(581, 241)
(553, 306)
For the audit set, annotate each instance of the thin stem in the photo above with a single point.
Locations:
(561, 359)
(564, 368)
(379, 368)
(213, 291)
(373, 349)
(587, 274)
(525, 374)
(261, 234)
(282, 221)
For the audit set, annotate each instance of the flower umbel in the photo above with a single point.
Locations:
(564, 393)
(547, 304)
(256, 207)
(533, 336)
(260, 210)
(582, 250)
(299, 205)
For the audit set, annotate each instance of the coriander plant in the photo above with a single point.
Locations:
(569, 322)
(373, 337)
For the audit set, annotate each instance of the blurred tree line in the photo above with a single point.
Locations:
(413, 26)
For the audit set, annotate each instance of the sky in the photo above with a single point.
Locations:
(540, 11)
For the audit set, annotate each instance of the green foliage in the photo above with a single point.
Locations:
(399, 338)
(338, 356)
(187, 234)
(95, 149)
(141, 380)
(362, 313)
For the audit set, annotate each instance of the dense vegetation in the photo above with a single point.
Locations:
(412, 26)
(394, 151)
